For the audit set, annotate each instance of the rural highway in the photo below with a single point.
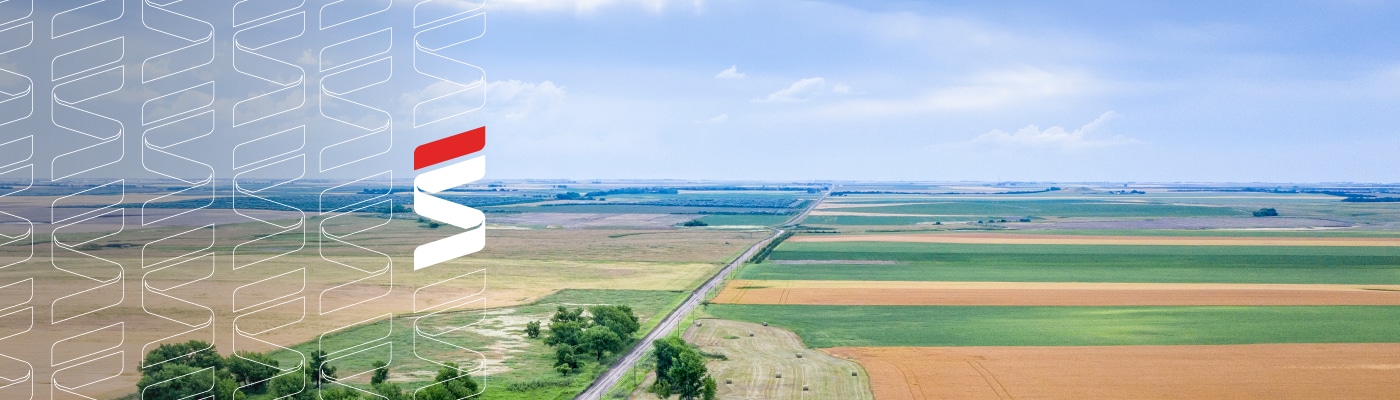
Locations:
(609, 378)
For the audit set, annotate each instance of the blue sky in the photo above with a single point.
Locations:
(1124, 91)
(1301, 91)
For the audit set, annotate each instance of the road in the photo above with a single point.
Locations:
(609, 378)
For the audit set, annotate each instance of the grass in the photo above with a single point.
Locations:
(1084, 263)
(837, 326)
(745, 219)
(530, 360)
(869, 220)
(1052, 208)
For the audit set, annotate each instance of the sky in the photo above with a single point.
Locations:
(1144, 91)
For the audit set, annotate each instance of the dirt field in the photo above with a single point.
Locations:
(1009, 238)
(879, 293)
(1267, 371)
(754, 363)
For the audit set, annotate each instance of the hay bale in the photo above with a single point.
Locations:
(765, 324)
(853, 373)
(728, 381)
(804, 388)
(799, 355)
(779, 376)
(750, 333)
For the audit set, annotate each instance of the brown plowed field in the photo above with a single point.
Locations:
(1012, 238)
(1264, 371)
(879, 293)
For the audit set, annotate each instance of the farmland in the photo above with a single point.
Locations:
(938, 297)
(615, 255)
(862, 326)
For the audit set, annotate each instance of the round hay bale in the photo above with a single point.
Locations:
(804, 388)
(750, 333)
(853, 373)
(779, 376)
(765, 324)
(697, 323)
(728, 381)
(799, 355)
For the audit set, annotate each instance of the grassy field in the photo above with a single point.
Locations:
(744, 219)
(869, 220)
(838, 326)
(511, 358)
(1052, 208)
(1083, 263)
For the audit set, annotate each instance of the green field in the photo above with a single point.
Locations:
(868, 220)
(836, 326)
(744, 219)
(1052, 208)
(1083, 263)
(531, 361)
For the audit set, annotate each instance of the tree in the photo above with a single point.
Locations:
(194, 353)
(320, 372)
(709, 392)
(291, 386)
(181, 381)
(565, 315)
(391, 391)
(381, 373)
(252, 368)
(564, 332)
(665, 350)
(450, 384)
(565, 359)
(619, 318)
(532, 329)
(599, 340)
(1266, 212)
(688, 375)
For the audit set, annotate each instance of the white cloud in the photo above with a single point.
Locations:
(840, 89)
(988, 90)
(1055, 137)
(718, 119)
(731, 73)
(516, 99)
(801, 90)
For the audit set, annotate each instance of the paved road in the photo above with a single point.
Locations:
(608, 379)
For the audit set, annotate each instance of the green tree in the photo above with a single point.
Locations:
(252, 368)
(709, 392)
(532, 329)
(392, 391)
(381, 373)
(688, 375)
(565, 315)
(565, 359)
(599, 340)
(319, 371)
(564, 332)
(619, 318)
(665, 351)
(293, 386)
(450, 384)
(194, 353)
(179, 381)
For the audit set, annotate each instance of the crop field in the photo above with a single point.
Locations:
(1052, 208)
(864, 326)
(1162, 295)
(875, 293)
(1267, 371)
(744, 219)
